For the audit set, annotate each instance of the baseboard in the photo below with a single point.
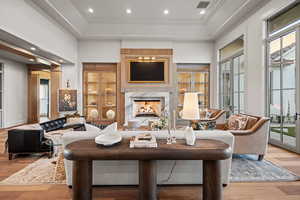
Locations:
(10, 126)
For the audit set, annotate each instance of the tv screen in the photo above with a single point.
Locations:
(146, 71)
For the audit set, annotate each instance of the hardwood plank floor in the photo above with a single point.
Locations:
(234, 191)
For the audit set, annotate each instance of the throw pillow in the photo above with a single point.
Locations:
(233, 123)
(251, 122)
(208, 114)
(242, 122)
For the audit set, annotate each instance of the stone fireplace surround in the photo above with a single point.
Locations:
(164, 97)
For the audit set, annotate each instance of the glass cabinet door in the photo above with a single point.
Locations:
(193, 78)
(92, 92)
(200, 85)
(108, 95)
(184, 85)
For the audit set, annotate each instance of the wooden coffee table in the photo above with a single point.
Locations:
(210, 151)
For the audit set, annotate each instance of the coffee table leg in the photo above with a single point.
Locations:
(82, 180)
(212, 186)
(147, 180)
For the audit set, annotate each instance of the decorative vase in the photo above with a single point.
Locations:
(110, 114)
(190, 136)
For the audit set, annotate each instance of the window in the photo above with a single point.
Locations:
(232, 75)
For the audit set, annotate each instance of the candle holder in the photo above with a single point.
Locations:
(169, 138)
(173, 136)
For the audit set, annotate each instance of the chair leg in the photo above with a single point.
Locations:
(10, 156)
(261, 157)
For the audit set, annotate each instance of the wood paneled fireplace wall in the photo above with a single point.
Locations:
(123, 88)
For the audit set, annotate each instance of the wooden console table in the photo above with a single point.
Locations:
(85, 151)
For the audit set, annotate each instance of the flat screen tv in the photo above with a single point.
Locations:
(146, 72)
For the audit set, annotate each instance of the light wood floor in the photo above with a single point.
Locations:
(234, 191)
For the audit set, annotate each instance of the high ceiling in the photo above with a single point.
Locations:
(143, 11)
(109, 19)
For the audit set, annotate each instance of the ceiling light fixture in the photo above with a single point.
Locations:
(31, 59)
(32, 48)
(91, 10)
(202, 12)
(61, 61)
(128, 11)
(166, 11)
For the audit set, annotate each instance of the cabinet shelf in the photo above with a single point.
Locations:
(91, 106)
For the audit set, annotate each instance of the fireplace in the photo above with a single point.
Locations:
(145, 106)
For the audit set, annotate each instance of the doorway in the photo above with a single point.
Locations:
(284, 89)
(44, 100)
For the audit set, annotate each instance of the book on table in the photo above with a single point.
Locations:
(143, 141)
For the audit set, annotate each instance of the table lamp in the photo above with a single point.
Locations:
(190, 112)
(190, 106)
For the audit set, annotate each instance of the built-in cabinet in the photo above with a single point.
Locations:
(100, 92)
(193, 78)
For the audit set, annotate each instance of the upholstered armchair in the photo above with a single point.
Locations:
(253, 139)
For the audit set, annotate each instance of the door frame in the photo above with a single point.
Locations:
(273, 37)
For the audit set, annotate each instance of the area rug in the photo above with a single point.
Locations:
(244, 169)
(42, 171)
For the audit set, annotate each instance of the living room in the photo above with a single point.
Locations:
(149, 100)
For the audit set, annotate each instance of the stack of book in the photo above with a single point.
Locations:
(143, 141)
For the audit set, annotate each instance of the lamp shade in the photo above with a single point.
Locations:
(190, 106)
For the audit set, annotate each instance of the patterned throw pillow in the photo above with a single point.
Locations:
(232, 122)
(237, 122)
(242, 122)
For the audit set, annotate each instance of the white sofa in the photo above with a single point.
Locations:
(126, 172)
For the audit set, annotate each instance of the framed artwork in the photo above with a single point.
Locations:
(67, 100)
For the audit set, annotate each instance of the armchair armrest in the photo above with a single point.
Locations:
(218, 114)
(253, 129)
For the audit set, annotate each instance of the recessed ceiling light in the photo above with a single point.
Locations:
(202, 12)
(32, 48)
(61, 61)
(91, 10)
(31, 59)
(166, 11)
(128, 11)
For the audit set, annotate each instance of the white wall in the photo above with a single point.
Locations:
(23, 19)
(254, 49)
(28, 22)
(15, 93)
(109, 50)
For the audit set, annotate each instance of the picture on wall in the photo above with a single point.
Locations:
(67, 100)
